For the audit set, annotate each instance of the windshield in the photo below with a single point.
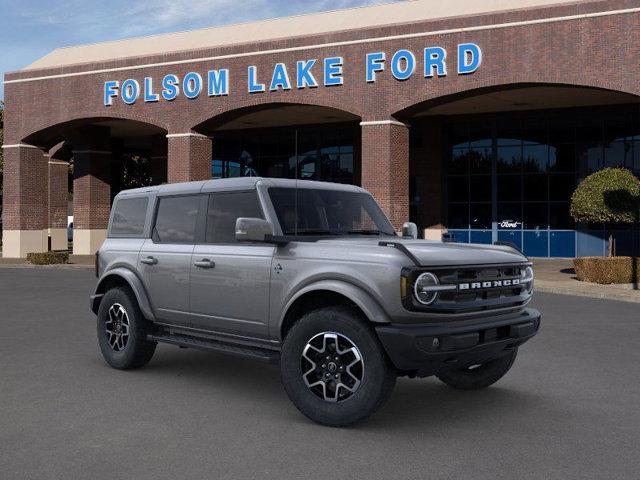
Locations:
(328, 212)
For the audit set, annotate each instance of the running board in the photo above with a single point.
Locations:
(186, 341)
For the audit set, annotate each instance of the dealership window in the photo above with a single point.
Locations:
(325, 152)
(538, 159)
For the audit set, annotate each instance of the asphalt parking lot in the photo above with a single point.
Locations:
(568, 408)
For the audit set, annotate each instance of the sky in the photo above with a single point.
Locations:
(29, 29)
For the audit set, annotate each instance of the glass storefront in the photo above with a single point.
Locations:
(327, 152)
(509, 177)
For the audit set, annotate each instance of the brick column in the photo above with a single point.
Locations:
(91, 187)
(159, 159)
(385, 167)
(189, 157)
(58, 191)
(25, 201)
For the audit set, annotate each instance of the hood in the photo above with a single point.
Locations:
(432, 253)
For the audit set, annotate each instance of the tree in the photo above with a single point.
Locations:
(609, 196)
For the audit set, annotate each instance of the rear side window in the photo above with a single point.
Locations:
(129, 216)
(176, 219)
(224, 209)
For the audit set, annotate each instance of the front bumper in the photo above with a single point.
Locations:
(426, 350)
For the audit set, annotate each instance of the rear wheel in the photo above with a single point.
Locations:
(122, 331)
(480, 376)
(334, 369)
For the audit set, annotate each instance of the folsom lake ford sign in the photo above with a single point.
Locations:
(308, 73)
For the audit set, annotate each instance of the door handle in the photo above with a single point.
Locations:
(149, 260)
(204, 263)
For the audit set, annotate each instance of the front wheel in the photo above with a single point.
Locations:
(334, 369)
(476, 377)
(122, 331)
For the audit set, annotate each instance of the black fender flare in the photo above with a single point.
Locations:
(134, 282)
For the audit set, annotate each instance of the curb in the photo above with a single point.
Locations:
(63, 266)
(553, 287)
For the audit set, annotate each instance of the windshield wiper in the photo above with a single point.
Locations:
(366, 232)
(315, 231)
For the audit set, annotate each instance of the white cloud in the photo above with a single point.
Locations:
(123, 18)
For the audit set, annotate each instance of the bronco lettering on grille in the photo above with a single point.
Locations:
(510, 282)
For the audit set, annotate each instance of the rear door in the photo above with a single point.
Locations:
(165, 259)
(230, 280)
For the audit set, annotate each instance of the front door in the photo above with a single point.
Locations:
(230, 280)
(165, 259)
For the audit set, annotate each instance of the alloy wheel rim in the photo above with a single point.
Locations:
(332, 366)
(117, 327)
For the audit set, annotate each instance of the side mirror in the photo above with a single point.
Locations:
(409, 230)
(252, 229)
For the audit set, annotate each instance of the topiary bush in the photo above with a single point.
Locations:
(611, 195)
(606, 270)
(48, 258)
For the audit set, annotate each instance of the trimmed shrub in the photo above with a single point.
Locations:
(611, 195)
(606, 270)
(48, 258)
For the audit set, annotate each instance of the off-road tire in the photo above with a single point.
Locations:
(378, 378)
(481, 377)
(138, 350)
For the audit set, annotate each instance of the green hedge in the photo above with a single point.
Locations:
(607, 270)
(611, 195)
(48, 258)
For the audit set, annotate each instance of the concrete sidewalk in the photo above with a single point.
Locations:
(75, 261)
(558, 276)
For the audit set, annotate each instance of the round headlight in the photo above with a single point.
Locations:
(527, 277)
(421, 288)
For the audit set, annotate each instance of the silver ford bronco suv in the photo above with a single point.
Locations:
(312, 276)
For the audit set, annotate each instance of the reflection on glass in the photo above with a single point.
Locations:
(480, 216)
(510, 159)
(535, 158)
(326, 153)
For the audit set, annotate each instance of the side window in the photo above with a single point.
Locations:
(176, 219)
(224, 209)
(128, 216)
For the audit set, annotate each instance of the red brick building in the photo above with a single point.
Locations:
(476, 118)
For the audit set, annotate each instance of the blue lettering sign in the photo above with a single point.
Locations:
(280, 78)
(130, 91)
(192, 85)
(375, 63)
(403, 64)
(333, 71)
(254, 87)
(170, 87)
(218, 82)
(149, 96)
(304, 77)
(110, 92)
(469, 58)
(434, 59)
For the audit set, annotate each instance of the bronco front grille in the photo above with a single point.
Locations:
(476, 288)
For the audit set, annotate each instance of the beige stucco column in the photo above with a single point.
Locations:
(189, 157)
(25, 211)
(385, 167)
